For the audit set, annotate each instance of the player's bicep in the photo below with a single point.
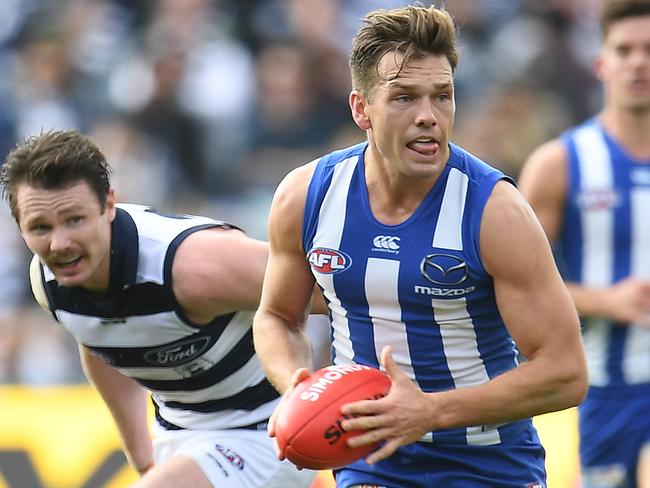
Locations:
(288, 282)
(531, 297)
(543, 182)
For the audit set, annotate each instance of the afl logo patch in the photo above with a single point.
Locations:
(328, 261)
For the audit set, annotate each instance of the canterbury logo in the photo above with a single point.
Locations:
(386, 242)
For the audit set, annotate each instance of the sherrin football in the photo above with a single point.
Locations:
(308, 425)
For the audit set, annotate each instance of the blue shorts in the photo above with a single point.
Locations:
(614, 427)
(518, 462)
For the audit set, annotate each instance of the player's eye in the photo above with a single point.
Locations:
(623, 50)
(39, 228)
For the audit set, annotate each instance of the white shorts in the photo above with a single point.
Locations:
(234, 458)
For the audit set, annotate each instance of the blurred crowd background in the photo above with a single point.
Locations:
(202, 106)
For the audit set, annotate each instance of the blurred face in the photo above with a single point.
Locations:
(69, 232)
(624, 64)
(409, 117)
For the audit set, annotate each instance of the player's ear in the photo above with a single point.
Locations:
(597, 66)
(110, 204)
(358, 106)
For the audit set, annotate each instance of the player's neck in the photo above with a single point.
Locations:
(394, 199)
(630, 129)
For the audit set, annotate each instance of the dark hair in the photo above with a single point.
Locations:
(614, 10)
(53, 160)
(414, 31)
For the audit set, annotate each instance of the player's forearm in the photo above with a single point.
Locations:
(129, 410)
(281, 348)
(131, 420)
(590, 302)
(531, 389)
(127, 402)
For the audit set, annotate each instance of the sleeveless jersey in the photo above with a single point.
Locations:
(201, 377)
(605, 238)
(419, 286)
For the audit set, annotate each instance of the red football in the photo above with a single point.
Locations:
(308, 425)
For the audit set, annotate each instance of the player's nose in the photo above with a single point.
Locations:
(60, 240)
(425, 115)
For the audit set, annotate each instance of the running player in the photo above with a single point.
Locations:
(591, 191)
(434, 268)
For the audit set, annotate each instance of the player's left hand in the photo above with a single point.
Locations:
(401, 417)
(297, 377)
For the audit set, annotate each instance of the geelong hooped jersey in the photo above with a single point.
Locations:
(605, 238)
(419, 286)
(201, 377)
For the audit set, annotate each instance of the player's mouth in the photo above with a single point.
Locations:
(65, 265)
(639, 85)
(426, 146)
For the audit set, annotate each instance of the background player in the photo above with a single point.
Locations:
(591, 191)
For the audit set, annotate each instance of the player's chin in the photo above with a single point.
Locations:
(423, 171)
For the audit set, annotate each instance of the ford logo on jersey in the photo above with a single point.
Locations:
(444, 269)
(177, 353)
(328, 261)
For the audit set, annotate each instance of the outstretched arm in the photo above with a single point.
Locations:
(218, 271)
(127, 402)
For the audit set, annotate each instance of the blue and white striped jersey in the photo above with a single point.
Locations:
(605, 238)
(419, 286)
(201, 377)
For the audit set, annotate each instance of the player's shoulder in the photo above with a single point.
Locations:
(292, 190)
(298, 180)
(545, 170)
(290, 199)
(505, 201)
(509, 228)
(551, 155)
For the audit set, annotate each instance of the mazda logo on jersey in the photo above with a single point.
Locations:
(328, 261)
(178, 352)
(444, 269)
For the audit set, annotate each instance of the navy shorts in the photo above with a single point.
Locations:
(614, 427)
(517, 462)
